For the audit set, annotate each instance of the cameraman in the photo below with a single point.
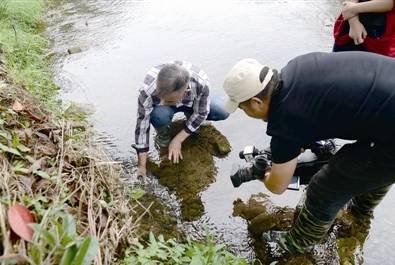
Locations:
(349, 95)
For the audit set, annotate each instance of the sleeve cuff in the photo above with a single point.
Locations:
(140, 150)
(187, 130)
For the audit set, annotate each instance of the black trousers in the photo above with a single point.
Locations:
(360, 172)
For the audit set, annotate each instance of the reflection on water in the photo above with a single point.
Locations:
(122, 39)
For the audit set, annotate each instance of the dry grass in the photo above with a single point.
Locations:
(59, 170)
(47, 159)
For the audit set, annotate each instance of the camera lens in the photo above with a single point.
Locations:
(235, 180)
(242, 175)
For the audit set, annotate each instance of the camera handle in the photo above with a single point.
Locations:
(248, 153)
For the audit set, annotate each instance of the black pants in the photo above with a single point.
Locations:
(361, 172)
(350, 46)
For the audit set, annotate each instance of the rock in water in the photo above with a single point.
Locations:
(73, 50)
(344, 244)
(196, 171)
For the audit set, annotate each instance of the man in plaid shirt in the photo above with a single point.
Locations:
(167, 89)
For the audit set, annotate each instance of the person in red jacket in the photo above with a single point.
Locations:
(366, 26)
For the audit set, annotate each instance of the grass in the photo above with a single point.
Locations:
(52, 167)
(161, 251)
(47, 160)
(25, 49)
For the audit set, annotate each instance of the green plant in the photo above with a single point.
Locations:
(161, 251)
(3, 8)
(47, 158)
(24, 48)
(137, 193)
(60, 244)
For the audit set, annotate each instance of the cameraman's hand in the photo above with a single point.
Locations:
(175, 154)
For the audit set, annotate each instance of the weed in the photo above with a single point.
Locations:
(161, 251)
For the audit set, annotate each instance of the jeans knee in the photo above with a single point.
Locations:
(217, 113)
(161, 116)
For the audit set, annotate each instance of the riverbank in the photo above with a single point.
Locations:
(50, 167)
(55, 176)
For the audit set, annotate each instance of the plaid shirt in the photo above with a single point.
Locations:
(196, 97)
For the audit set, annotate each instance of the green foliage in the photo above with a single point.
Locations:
(137, 193)
(25, 13)
(23, 54)
(3, 8)
(59, 243)
(160, 251)
(86, 252)
(24, 48)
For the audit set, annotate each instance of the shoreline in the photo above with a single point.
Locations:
(49, 163)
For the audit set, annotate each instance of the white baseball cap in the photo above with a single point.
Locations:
(242, 82)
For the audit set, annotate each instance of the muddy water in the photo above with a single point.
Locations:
(122, 39)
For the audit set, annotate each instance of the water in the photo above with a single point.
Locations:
(123, 39)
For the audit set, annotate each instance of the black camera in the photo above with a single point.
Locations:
(258, 163)
(309, 163)
(256, 170)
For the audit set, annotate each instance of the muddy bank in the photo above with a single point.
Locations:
(196, 171)
(343, 245)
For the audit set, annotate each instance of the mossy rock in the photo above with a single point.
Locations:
(157, 219)
(347, 250)
(196, 171)
(262, 215)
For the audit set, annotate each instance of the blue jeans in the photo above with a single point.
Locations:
(163, 115)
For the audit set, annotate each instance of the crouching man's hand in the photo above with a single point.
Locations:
(142, 165)
(141, 171)
(175, 154)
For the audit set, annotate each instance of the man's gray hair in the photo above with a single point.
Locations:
(172, 77)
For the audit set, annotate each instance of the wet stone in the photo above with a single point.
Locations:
(196, 171)
(73, 50)
(344, 246)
